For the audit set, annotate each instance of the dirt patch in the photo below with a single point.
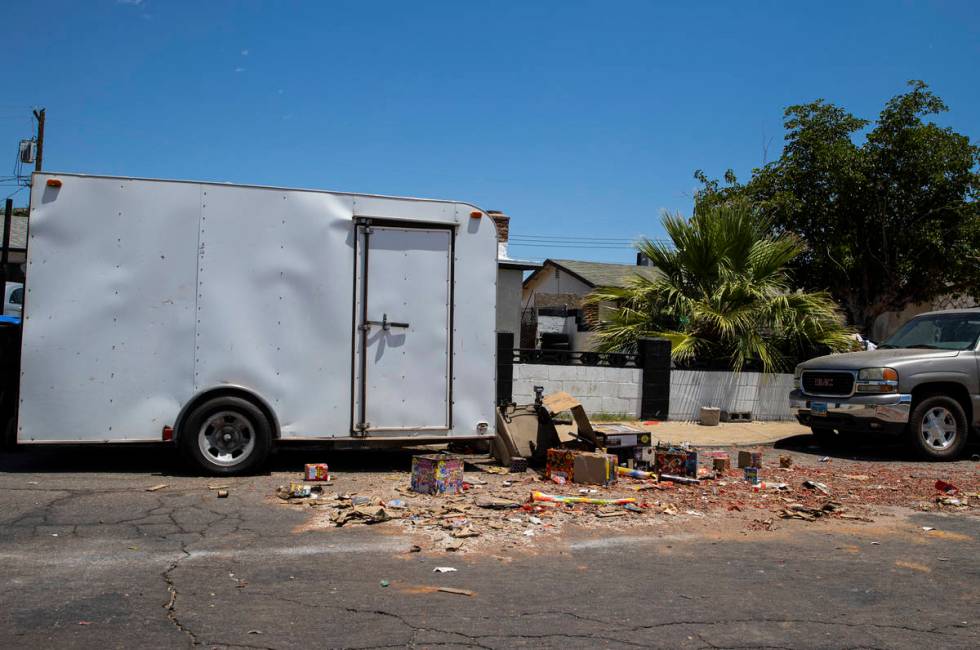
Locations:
(496, 514)
(915, 566)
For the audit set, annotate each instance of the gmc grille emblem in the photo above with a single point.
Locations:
(823, 382)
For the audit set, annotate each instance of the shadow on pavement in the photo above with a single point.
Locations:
(868, 447)
(164, 461)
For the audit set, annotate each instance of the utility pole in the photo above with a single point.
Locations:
(9, 214)
(39, 116)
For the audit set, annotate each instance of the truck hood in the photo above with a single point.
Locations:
(890, 358)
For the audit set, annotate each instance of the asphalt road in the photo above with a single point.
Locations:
(88, 558)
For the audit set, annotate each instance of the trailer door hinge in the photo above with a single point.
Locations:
(362, 427)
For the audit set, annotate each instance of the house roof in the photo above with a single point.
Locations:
(18, 228)
(600, 274)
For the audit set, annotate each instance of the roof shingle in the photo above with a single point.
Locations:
(601, 274)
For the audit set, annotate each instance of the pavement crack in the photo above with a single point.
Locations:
(171, 605)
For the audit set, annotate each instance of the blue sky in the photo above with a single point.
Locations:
(579, 119)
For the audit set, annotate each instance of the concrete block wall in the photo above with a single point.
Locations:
(601, 390)
(765, 395)
(619, 390)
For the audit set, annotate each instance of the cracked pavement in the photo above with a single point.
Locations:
(89, 558)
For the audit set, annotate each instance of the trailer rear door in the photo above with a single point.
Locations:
(402, 339)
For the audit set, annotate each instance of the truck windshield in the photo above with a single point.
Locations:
(939, 332)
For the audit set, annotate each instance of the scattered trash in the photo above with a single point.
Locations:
(85, 622)
(785, 462)
(535, 520)
(385, 583)
(632, 507)
(464, 532)
(825, 459)
(317, 472)
(254, 632)
(800, 511)
(396, 504)
(518, 465)
(928, 528)
(751, 474)
(154, 488)
(763, 485)
(497, 504)
(458, 592)
(876, 543)
(370, 513)
(529, 532)
(606, 512)
(814, 485)
(218, 487)
(635, 473)
(297, 490)
(540, 496)
(444, 569)
(415, 549)
(682, 480)
(454, 545)
(948, 488)
(222, 494)
(669, 509)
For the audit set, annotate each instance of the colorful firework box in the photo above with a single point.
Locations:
(437, 474)
(317, 472)
(679, 462)
(560, 464)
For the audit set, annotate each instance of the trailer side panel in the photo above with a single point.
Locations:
(108, 352)
(274, 303)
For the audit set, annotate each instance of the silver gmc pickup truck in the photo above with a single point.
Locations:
(923, 383)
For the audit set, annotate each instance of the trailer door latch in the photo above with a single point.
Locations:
(384, 323)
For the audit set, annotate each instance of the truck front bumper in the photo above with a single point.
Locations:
(887, 413)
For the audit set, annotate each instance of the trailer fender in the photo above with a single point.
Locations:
(226, 390)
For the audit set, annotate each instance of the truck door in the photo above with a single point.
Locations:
(403, 329)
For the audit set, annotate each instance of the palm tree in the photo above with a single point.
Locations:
(723, 296)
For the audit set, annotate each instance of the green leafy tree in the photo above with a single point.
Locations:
(889, 222)
(723, 296)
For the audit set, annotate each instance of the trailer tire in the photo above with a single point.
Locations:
(225, 436)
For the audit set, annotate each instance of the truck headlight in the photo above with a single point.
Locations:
(877, 380)
(796, 375)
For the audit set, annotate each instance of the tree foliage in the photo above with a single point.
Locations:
(723, 296)
(887, 223)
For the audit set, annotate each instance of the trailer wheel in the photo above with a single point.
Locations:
(226, 435)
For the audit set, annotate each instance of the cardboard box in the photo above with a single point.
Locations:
(561, 464)
(749, 459)
(722, 464)
(437, 474)
(594, 468)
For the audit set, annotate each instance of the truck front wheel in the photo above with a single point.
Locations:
(938, 428)
(225, 436)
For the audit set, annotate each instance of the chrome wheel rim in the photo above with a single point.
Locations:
(938, 428)
(226, 438)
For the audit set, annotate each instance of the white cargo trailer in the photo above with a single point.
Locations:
(227, 317)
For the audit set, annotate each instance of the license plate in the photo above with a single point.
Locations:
(818, 408)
